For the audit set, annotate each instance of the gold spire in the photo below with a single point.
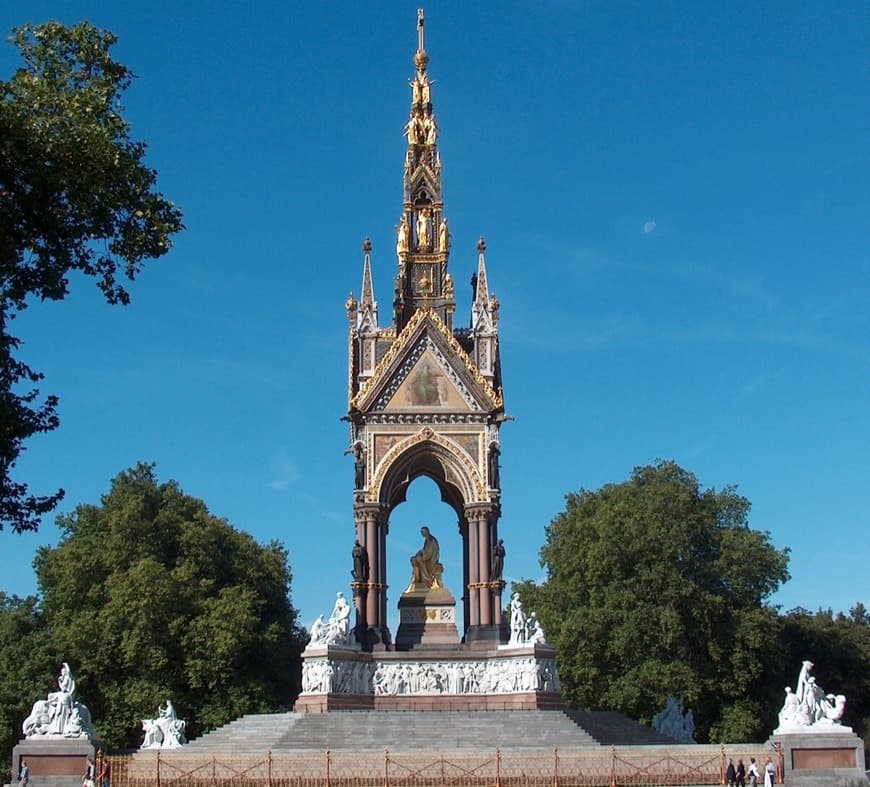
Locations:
(421, 59)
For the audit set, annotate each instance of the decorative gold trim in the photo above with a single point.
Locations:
(496, 397)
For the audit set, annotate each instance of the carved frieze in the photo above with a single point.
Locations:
(413, 678)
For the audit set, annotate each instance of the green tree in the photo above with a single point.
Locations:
(656, 587)
(28, 669)
(151, 597)
(75, 195)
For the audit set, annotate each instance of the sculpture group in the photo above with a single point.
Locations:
(164, 732)
(809, 706)
(671, 721)
(335, 631)
(60, 715)
(524, 630)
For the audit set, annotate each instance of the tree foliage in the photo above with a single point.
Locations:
(28, 665)
(149, 597)
(656, 587)
(75, 195)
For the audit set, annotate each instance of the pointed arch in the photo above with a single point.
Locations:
(435, 456)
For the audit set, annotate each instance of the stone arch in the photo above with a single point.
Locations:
(436, 457)
(462, 487)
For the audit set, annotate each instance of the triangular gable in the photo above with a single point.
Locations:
(426, 369)
(430, 384)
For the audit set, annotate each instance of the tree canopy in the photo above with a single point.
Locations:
(657, 587)
(75, 195)
(148, 596)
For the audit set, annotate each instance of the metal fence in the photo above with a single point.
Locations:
(633, 766)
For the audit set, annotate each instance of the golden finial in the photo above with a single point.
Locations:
(366, 247)
(481, 245)
(351, 305)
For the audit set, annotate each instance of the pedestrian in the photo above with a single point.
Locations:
(769, 773)
(88, 778)
(105, 772)
(23, 774)
(741, 773)
(731, 773)
(754, 775)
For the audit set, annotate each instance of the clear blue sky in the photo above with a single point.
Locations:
(676, 205)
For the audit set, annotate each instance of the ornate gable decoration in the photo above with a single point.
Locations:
(426, 369)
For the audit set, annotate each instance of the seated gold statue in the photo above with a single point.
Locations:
(426, 571)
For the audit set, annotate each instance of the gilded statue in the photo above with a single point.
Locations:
(443, 236)
(424, 240)
(426, 571)
(403, 240)
(431, 129)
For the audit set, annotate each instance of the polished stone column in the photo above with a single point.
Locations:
(371, 530)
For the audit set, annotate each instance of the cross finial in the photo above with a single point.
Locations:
(420, 47)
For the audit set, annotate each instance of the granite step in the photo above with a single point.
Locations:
(394, 730)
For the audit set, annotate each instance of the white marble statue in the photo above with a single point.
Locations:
(60, 715)
(524, 630)
(518, 621)
(672, 722)
(810, 706)
(339, 622)
(164, 732)
(534, 633)
(319, 632)
(336, 630)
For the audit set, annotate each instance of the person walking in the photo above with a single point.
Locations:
(769, 773)
(23, 774)
(741, 773)
(88, 778)
(105, 772)
(754, 774)
(731, 773)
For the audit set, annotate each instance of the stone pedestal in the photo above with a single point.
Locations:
(820, 757)
(427, 620)
(59, 762)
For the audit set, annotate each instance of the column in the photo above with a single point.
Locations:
(484, 553)
(473, 588)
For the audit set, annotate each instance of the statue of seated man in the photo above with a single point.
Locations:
(426, 571)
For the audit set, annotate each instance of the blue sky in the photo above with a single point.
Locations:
(675, 201)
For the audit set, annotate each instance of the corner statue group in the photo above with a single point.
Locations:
(426, 571)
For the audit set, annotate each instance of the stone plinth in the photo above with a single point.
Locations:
(822, 757)
(458, 678)
(56, 761)
(427, 620)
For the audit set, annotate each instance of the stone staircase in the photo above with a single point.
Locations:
(613, 729)
(256, 732)
(395, 730)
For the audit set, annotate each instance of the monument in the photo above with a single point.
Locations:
(425, 399)
(166, 731)
(818, 749)
(59, 736)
